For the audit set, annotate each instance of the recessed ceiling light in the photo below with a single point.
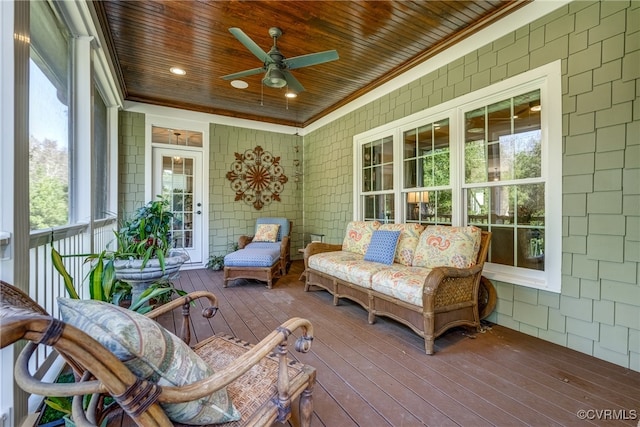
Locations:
(475, 130)
(177, 71)
(291, 94)
(239, 84)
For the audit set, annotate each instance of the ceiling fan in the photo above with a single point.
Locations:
(275, 66)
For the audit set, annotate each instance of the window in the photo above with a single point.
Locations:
(491, 159)
(49, 113)
(377, 180)
(180, 137)
(426, 171)
(101, 162)
(503, 178)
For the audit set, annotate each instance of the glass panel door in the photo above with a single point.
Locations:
(176, 179)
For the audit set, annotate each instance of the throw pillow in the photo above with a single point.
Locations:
(446, 246)
(266, 233)
(153, 353)
(358, 236)
(382, 248)
(409, 236)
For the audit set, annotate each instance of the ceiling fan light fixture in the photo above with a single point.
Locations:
(274, 78)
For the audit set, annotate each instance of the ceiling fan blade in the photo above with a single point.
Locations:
(251, 45)
(311, 59)
(244, 73)
(293, 83)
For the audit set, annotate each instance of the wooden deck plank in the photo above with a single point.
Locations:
(539, 376)
(379, 375)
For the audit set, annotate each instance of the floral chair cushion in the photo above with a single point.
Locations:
(153, 353)
(445, 246)
(266, 233)
(358, 236)
(409, 236)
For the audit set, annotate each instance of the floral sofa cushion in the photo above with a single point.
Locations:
(347, 266)
(409, 236)
(401, 282)
(444, 246)
(153, 353)
(358, 236)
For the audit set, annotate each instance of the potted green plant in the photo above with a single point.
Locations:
(216, 262)
(141, 265)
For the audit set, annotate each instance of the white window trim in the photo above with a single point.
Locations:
(547, 78)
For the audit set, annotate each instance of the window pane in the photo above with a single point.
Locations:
(531, 248)
(530, 204)
(512, 140)
(410, 173)
(183, 137)
(380, 207)
(431, 167)
(100, 157)
(475, 162)
(442, 152)
(478, 206)
(377, 165)
(429, 207)
(516, 219)
(425, 140)
(410, 144)
(49, 165)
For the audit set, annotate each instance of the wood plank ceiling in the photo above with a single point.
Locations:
(375, 40)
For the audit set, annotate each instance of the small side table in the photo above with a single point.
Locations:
(316, 237)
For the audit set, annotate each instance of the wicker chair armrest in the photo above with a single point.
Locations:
(439, 274)
(275, 342)
(244, 241)
(318, 247)
(284, 246)
(447, 286)
(112, 376)
(186, 302)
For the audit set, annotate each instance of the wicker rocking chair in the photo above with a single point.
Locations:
(260, 380)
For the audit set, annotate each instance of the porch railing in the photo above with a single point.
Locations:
(46, 284)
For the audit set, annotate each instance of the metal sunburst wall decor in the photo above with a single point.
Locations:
(257, 177)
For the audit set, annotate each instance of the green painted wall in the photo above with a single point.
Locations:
(131, 140)
(229, 219)
(598, 311)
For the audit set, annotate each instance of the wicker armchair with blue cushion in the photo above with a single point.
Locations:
(263, 256)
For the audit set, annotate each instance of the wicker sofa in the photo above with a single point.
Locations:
(431, 285)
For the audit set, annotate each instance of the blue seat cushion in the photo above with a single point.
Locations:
(253, 256)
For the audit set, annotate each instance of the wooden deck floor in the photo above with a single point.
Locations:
(378, 375)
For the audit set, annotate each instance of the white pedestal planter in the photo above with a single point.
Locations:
(130, 271)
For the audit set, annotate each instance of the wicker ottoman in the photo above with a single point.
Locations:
(260, 261)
